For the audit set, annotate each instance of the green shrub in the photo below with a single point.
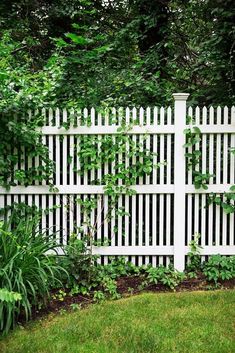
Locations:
(219, 268)
(167, 276)
(79, 262)
(26, 267)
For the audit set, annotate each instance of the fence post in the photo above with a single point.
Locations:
(179, 170)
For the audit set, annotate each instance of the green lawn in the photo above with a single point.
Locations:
(174, 322)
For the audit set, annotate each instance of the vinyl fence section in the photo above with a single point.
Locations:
(166, 211)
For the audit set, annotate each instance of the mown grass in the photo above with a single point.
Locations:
(174, 322)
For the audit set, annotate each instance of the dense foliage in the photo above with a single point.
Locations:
(27, 272)
(105, 53)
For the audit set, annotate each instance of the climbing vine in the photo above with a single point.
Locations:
(193, 156)
(124, 160)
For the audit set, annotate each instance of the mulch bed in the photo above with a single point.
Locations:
(126, 286)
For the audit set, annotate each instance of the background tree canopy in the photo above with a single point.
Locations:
(105, 52)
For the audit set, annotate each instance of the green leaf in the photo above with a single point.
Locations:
(78, 39)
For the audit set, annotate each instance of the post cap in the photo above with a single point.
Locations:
(180, 96)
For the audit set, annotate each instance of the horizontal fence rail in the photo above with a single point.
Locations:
(161, 218)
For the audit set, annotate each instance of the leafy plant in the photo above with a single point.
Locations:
(227, 202)
(194, 256)
(219, 268)
(193, 157)
(99, 296)
(26, 267)
(79, 262)
(8, 302)
(164, 275)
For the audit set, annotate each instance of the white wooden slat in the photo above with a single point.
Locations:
(147, 221)
(231, 229)
(210, 226)
(106, 208)
(57, 142)
(167, 261)
(155, 116)
(93, 222)
(106, 118)
(224, 227)
(50, 214)
(225, 159)
(71, 160)
(133, 220)
(189, 149)
(98, 189)
(65, 160)
(119, 234)
(93, 124)
(203, 220)
(196, 214)
(50, 119)
(148, 116)
(85, 176)
(141, 141)
(78, 218)
(78, 140)
(57, 218)
(140, 221)
(86, 218)
(161, 219)
(189, 218)
(71, 214)
(197, 145)
(162, 115)
(113, 220)
(168, 219)
(127, 219)
(217, 224)
(154, 220)
(44, 224)
(65, 217)
(137, 129)
(162, 167)
(160, 251)
(36, 203)
(211, 147)
(218, 146)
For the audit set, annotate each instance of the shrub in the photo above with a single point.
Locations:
(26, 267)
(219, 268)
(79, 262)
(164, 275)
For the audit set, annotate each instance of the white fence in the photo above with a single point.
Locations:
(166, 210)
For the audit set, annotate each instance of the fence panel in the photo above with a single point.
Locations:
(160, 220)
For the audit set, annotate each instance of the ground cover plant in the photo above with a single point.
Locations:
(195, 322)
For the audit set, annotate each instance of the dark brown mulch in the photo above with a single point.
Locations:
(126, 286)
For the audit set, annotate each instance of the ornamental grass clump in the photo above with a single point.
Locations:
(28, 266)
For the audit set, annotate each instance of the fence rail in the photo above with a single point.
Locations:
(166, 211)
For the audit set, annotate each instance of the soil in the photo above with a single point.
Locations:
(126, 286)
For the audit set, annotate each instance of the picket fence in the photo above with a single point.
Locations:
(166, 210)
